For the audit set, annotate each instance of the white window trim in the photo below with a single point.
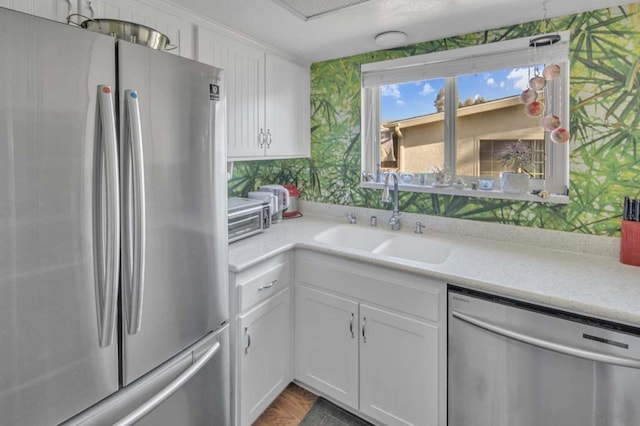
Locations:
(486, 57)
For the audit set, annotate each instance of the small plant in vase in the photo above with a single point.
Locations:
(442, 175)
(518, 157)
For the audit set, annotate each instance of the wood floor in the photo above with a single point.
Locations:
(289, 408)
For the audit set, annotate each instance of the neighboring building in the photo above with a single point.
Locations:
(483, 129)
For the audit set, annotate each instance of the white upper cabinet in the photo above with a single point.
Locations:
(179, 30)
(267, 99)
(244, 88)
(56, 10)
(287, 108)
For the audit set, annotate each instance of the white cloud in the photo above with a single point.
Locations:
(426, 89)
(476, 97)
(519, 77)
(502, 84)
(391, 90)
(400, 102)
(491, 82)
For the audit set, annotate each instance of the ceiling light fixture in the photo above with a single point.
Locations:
(391, 38)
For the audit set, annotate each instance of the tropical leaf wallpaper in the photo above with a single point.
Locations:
(604, 124)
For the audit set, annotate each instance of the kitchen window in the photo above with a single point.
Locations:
(456, 109)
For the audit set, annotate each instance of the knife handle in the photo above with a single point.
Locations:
(625, 209)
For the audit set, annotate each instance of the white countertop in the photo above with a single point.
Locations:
(591, 284)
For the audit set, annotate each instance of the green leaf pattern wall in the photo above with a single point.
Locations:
(604, 124)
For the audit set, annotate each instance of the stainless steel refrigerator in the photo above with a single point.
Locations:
(113, 246)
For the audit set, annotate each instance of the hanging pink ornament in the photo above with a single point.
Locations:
(559, 135)
(551, 71)
(534, 109)
(537, 83)
(527, 96)
(550, 123)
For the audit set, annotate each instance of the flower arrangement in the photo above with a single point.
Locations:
(441, 174)
(517, 156)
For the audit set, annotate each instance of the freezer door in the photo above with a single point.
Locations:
(174, 258)
(56, 309)
(191, 389)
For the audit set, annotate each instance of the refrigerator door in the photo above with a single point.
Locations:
(174, 257)
(196, 384)
(58, 268)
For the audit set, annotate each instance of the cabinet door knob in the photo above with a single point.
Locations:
(261, 138)
(364, 330)
(246, 332)
(353, 336)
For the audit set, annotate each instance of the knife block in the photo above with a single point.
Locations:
(630, 243)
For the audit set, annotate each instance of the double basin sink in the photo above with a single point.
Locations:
(387, 243)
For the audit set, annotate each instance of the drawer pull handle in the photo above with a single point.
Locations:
(246, 332)
(353, 336)
(266, 286)
(364, 330)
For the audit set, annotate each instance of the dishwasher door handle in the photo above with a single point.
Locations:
(545, 344)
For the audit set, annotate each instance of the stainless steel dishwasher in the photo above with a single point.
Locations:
(512, 363)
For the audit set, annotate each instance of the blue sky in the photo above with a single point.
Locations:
(400, 101)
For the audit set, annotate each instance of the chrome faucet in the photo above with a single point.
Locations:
(351, 217)
(394, 220)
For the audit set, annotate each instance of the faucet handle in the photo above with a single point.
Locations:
(394, 221)
(351, 217)
(419, 227)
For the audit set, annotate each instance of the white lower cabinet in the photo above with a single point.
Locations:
(261, 363)
(265, 359)
(326, 336)
(398, 368)
(363, 341)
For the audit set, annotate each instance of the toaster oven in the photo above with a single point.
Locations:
(247, 217)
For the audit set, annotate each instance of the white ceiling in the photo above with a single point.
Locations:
(352, 30)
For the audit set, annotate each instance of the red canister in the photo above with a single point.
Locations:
(294, 196)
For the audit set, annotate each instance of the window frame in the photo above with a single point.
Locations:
(481, 58)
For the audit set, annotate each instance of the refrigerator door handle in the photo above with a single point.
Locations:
(134, 214)
(107, 217)
(171, 388)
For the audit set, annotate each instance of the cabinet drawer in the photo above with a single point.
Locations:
(263, 281)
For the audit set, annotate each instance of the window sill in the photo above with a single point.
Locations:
(467, 192)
